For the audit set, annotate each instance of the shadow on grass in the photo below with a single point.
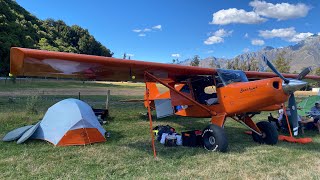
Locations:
(239, 143)
(115, 136)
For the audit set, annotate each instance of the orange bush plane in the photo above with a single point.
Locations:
(233, 94)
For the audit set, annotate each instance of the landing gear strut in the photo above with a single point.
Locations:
(263, 132)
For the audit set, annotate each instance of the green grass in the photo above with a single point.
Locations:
(127, 154)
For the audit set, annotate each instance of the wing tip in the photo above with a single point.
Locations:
(16, 61)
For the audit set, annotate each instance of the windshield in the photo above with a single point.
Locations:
(231, 76)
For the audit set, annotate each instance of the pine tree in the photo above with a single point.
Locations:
(195, 61)
(282, 64)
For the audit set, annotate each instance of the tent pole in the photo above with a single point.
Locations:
(150, 119)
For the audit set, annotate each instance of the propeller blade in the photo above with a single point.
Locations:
(304, 72)
(275, 70)
(294, 114)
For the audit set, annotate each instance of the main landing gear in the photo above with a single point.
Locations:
(263, 132)
(214, 138)
(269, 133)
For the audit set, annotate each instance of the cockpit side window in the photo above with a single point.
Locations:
(231, 76)
(204, 90)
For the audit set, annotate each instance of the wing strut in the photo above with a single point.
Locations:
(150, 119)
(213, 113)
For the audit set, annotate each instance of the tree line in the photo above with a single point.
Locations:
(252, 64)
(19, 28)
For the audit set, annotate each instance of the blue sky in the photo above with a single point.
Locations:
(160, 30)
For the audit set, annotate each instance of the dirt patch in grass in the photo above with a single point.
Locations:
(75, 91)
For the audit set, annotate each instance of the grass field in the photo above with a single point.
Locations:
(127, 154)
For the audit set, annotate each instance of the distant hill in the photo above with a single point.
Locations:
(19, 28)
(305, 53)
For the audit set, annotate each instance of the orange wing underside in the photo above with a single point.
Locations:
(30, 62)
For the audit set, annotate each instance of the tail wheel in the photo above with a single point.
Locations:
(269, 133)
(214, 138)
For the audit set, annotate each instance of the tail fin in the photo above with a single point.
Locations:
(153, 93)
(153, 90)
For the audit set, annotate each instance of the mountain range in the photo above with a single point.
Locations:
(303, 54)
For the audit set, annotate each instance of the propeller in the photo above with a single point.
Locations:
(289, 86)
(292, 103)
(275, 70)
(304, 72)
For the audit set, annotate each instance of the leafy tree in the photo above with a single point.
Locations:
(282, 64)
(317, 71)
(230, 64)
(253, 65)
(44, 45)
(212, 64)
(195, 61)
(19, 28)
(236, 64)
(175, 61)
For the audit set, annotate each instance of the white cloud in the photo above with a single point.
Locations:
(130, 55)
(280, 33)
(280, 11)
(246, 35)
(213, 40)
(137, 30)
(210, 51)
(217, 37)
(159, 27)
(233, 15)
(175, 55)
(142, 32)
(222, 33)
(287, 34)
(146, 30)
(300, 36)
(245, 50)
(257, 42)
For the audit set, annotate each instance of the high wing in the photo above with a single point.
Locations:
(31, 62)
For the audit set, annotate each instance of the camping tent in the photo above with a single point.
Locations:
(70, 122)
(305, 106)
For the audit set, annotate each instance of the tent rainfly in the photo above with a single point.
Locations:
(70, 122)
(305, 106)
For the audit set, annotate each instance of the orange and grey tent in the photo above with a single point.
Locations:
(70, 122)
